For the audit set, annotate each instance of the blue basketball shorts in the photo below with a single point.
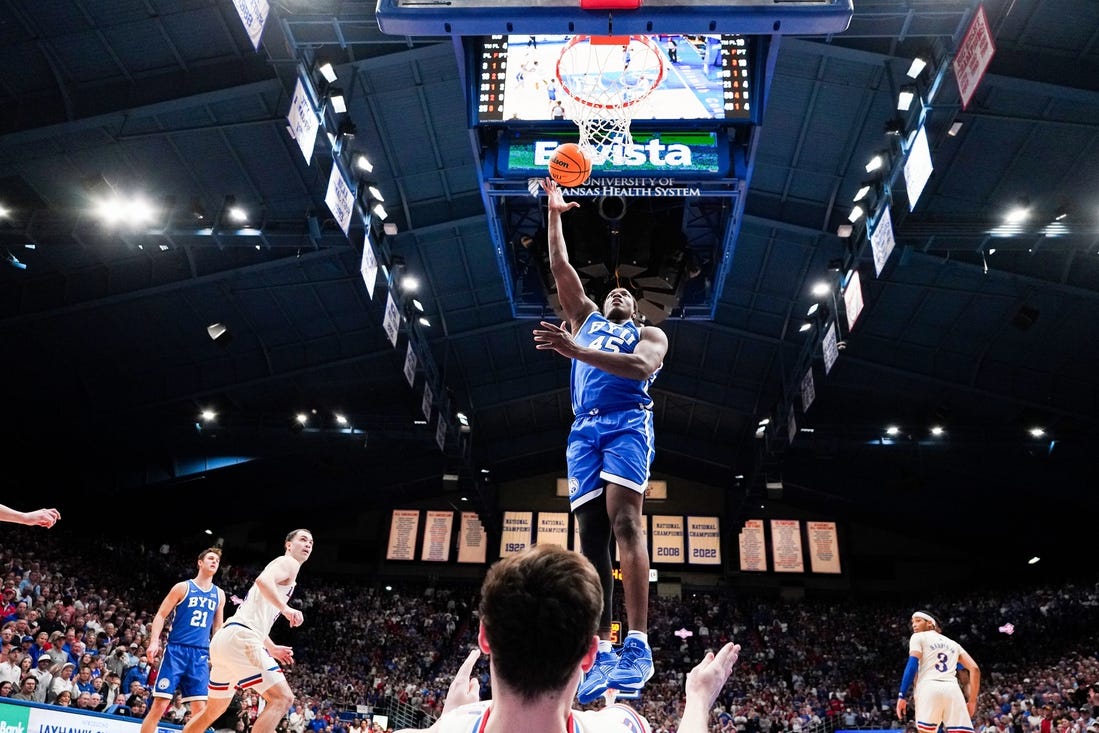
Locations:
(615, 447)
(184, 668)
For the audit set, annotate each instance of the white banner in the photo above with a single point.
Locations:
(973, 56)
(824, 549)
(786, 546)
(402, 534)
(703, 541)
(425, 406)
(917, 167)
(410, 365)
(553, 529)
(830, 347)
(253, 14)
(808, 390)
(369, 265)
(391, 321)
(882, 241)
(472, 540)
(437, 529)
(303, 122)
(515, 536)
(852, 299)
(753, 547)
(340, 199)
(667, 539)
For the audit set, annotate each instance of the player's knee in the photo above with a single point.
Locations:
(627, 527)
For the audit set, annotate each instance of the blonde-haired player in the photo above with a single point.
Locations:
(933, 660)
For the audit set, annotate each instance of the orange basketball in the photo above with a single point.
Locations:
(569, 165)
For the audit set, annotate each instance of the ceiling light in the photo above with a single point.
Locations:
(892, 430)
(765, 421)
(339, 103)
(208, 415)
(805, 327)
(341, 419)
(363, 163)
(163, 248)
(856, 214)
(417, 305)
(864, 189)
(424, 322)
(410, 284)
(1036, 432)
(937, 430)
(844, 230)
(875, 163)
(1034, 560)
(4, 211)
(904, 99)
(992, 250)
(302, 418)
(821, 289)
(375, 193)
(1017, 214)
(1060, 214)
(216, 331)
(918, 65)
(813, 309)
(328, 72)
(380, 212)
(954, 129)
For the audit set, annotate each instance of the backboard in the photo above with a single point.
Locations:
(609, 17)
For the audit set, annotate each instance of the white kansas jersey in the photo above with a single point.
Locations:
(939, 656)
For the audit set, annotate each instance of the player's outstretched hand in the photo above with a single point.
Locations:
(43, 518)
(552, 336)
(709, 675)
(464, 688)
(555, 197)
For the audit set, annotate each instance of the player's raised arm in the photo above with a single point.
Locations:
(574, 301)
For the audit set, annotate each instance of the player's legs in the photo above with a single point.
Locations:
(154, 714)
(279, 697)
(595, 544)
(624, 513)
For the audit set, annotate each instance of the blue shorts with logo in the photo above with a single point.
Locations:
(616, 447)
(186, 668)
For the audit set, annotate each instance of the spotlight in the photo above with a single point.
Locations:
(955, 128)
(424, 322)
(375, 193)
(327, 71)
(813, 309)
(390, 228)
(904, 99)
(856, 214)
(821, 289)
(1036, 432)
(805, 327)
(864, 189)
(380, 211)
(217, 331)
(208, 415)
(339, 103)
(341, 419)
(4, 211)
(918, 65)
(1060, 214)
(844, 230)
(937, 430)
(892, 430)
(409, 284)
(875, 163)
(363, 163)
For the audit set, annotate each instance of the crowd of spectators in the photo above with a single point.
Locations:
(73, 628)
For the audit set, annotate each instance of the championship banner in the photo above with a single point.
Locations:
(786, 546)
(824, 549)
(302, 121)
(410, 365)
(829, 347)
(369, 265)
(428, 401)
(667, 539)
(472, 540)
(437, 529)
(391, 321)
(852, 299)
(402, 534)
(703, 541)
(515, 536)
(553, 529)
(808, 390)
(253, 14)
(753, 547)
(340, 199)
(973, 56)
(440, 432)
(882, 240)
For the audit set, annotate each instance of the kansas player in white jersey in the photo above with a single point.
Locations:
(933, 661)
(610, 448)
(539, 613)
(242, 655)
(197, 607)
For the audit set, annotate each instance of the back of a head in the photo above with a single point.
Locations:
(540, 609)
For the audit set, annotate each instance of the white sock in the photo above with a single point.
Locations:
(605, 646)
(639, 635)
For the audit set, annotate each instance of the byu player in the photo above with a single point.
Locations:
(199, 607)
(933, 660)
(556, 593)
(241, 652)
(610, 448)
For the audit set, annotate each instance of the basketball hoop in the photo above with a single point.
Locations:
(606, 80)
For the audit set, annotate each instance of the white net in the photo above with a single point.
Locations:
(606, 82)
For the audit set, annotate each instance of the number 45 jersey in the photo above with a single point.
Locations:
(594, 390)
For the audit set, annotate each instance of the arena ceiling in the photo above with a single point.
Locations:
(108, 360)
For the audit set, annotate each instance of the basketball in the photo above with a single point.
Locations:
(569, 165)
